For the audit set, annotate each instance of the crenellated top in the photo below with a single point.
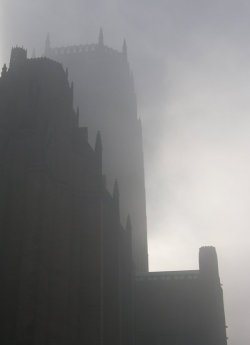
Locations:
(169, 275)
(78, 49)
(86, 49)
(18, 57)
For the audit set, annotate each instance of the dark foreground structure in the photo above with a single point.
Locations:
(182, 307)
(66, 261)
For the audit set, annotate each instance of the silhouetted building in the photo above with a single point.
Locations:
(182, 307)
(104, 92)
(65, 260)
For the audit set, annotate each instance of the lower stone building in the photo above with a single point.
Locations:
(181, 307)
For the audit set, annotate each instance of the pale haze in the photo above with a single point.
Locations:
(191, 62)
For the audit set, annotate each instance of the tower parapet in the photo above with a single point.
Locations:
(65, 52)
(18, 57)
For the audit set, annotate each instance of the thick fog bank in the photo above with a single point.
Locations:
(192, 72)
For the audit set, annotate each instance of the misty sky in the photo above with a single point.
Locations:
(191, 61)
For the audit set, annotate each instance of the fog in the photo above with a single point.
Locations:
(192, 73)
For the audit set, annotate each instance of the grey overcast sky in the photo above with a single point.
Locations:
(191, 61)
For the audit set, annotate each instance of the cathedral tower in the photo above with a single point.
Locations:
(104, 91)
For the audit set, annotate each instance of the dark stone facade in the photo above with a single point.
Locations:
(182, 307)
(65, 260)
(66, 268)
